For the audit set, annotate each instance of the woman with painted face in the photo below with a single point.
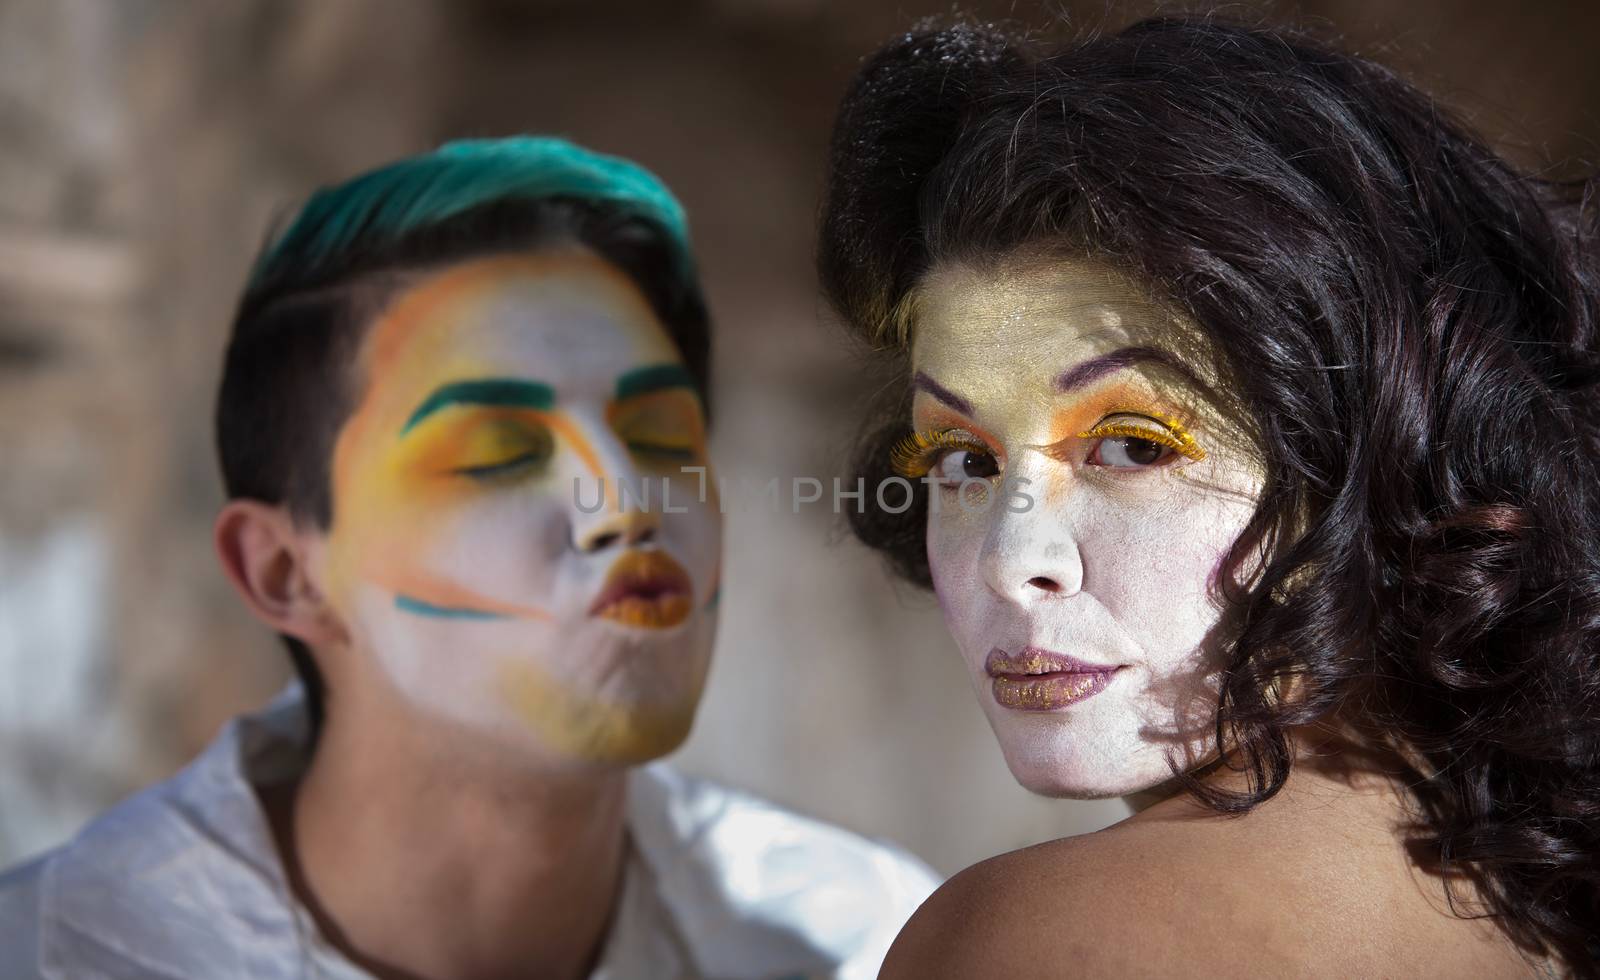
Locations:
(1250, 415)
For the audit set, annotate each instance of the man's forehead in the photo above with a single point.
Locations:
(566, 292)
(562, 319)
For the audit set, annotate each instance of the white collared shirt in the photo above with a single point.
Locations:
(184, 881)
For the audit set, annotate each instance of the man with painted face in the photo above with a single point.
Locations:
(453, 385)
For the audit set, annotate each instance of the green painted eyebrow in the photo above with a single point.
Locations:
(642, 381)
(485, 391)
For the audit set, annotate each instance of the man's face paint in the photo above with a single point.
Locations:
(1087, 619)
(502, 398)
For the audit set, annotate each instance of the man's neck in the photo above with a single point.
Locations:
(419, 864)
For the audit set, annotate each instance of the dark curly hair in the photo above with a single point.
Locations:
(1410, 325)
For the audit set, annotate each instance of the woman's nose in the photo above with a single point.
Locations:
(1031, 554)
(1025, 571)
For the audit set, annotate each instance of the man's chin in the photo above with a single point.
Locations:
(632, 738)
(599, 728)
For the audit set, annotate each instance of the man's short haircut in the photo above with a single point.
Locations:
(286, 386)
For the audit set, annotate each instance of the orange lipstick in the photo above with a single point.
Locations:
(646, 589)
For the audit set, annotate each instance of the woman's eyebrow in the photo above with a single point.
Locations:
(1094, 368)
(922, 382)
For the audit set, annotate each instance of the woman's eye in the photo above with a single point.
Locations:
(1129, 452)
(962, 464)
(1135, 443)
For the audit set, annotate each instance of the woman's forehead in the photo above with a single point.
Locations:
(1048, 329)
(1051, 323)
(1017, 304)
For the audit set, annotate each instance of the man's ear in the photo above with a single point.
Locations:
(267, 558)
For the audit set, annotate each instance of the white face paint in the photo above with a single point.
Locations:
(470, 555)
(1088, 619)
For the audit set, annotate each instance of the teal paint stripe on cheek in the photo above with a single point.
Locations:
(407, 604)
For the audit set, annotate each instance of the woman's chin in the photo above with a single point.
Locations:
(1063, 770)
(1066, 785)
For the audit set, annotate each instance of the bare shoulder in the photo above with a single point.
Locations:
(1286, 889)
(1106, 904)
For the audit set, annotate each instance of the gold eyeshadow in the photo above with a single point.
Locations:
(666, 449)
(498, 445)
(479, 442)
(913, 456)
(661, 427)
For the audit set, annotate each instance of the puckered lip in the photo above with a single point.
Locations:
(647, 589)
(1033, 661)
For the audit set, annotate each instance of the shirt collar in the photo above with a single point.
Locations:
(184, 879)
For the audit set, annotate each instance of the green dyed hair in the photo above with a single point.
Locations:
(287, 387)
(425, 190)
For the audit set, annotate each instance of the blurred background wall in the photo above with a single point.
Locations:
(146, 145)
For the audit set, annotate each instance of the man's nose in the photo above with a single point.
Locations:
(626, 529)
(628, 515)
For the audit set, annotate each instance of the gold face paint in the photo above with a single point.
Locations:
(617, 734)
(1086, 618)
(1152, 398)
(664, 429)
(483, 443)
(494, 393)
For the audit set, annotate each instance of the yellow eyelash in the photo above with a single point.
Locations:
(913, 456)
(1176, 436)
